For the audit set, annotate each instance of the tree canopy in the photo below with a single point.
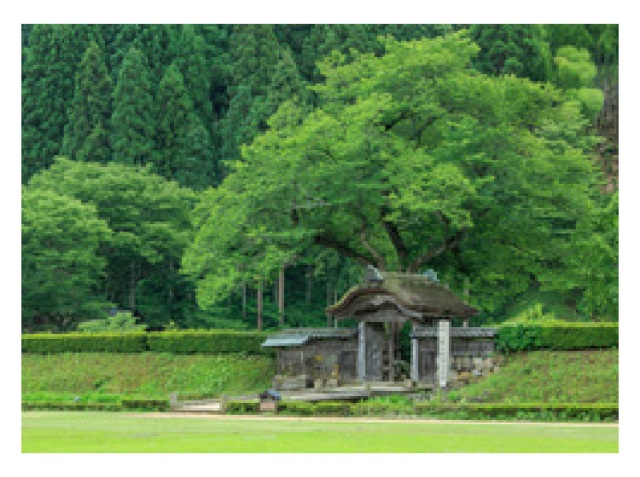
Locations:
(411, 159)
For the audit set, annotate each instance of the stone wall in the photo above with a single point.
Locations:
(471, 352)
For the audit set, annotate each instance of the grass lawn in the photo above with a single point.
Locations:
(137, 432)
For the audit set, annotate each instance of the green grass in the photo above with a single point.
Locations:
(128, 432)
(550, 377)
(106, 377)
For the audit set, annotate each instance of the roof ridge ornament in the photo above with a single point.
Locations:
(372, 276)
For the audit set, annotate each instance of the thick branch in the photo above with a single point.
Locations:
(396, 240)
(342, 249)
(380, 261)
(448, 244)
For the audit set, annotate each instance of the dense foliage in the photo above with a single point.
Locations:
(486, 152)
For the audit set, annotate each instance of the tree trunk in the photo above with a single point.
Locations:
(275, 292)
(307, 296)
(132, 288)
(259, 306)
(244, 300)
(328, 302)
(281, 296)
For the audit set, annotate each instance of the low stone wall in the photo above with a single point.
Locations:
(465, 369)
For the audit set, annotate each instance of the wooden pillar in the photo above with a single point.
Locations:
(361, 364)
(415, 370)
(391, 350)
(443, 352)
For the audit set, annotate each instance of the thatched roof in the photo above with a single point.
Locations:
(413, 295)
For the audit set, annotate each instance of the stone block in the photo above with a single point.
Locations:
(487, 363)
(318, 383)
(332, 383)
(496, 369)
(453, 375)
(476, 372)
(464, 376)
(477, 363)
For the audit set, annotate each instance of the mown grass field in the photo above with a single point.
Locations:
(550, 377)
(136, 432)
(105, 376)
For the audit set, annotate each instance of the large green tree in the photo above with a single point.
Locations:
(413, 159)
(150, 224)
(61, 265)
(87, 131)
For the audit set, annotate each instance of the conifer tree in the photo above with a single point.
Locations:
(47, 89)
(192, 60)
(122, 44)
(175, 119)
(254, 54)
(86, 134)
(521, 50)
(197, 168)
(133, 122)
(157, 42)
(265, 75)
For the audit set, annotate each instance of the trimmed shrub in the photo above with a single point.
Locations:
(145, 404)
(59, 406)
(522, 411)
(556, 336)
(213, 342)
(242, 407)
(176, 342)
(579, 336)
(481, 411)
(84, 342)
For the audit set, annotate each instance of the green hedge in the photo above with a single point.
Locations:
(137, 404)
(482, 411)
(85, 342)
(177, 342)
(556, 336)
(227, 341)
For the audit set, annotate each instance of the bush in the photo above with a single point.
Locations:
(145, 404)
(482, 411)
(522, 411)
(176, 342)
(213, 342)
(84, 342)
(242, 407)
(123, 321)
(556, 336)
